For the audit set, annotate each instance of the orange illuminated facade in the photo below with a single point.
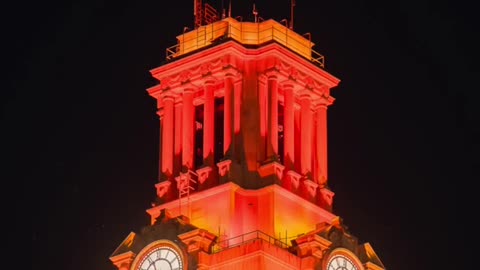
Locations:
(243, 166)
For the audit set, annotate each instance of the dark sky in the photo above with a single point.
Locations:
(80, 134)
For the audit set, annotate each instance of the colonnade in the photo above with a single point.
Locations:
(304, 148)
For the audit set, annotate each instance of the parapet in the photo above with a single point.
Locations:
(246, 33)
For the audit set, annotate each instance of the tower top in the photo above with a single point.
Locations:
(254, 33)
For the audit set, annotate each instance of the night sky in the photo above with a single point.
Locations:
(80, 133)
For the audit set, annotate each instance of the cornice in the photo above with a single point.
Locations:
(221, 55)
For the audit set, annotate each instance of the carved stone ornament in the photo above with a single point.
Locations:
(304, 80)
(162, 188)
(191, 74)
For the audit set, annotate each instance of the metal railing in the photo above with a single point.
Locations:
(218, 32)
(247, 238)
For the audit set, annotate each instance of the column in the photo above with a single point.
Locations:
(288, 127)
(209, 124)
(262, 144)
(321, 144)
(188, 129)
(237, 103)
(297, 139)
(167, 136)
(160, 113)
(178, 139)
(227, 117)
(272, 139)
(306, 135)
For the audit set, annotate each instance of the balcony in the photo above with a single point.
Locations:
(247, 238)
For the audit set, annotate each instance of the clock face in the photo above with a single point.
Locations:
(161, 258)
(340, 262)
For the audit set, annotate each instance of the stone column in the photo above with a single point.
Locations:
(306, 134)
(160, 113)
(178, 140)
(237, 104)
(228, 114)
(209, 124)
(288, 127)
(167, 136)
(262, 144)
(321, 144)
(188, 129)
(272, 139)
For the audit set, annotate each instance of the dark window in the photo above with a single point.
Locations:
(198, 136)
(218, 129)
(281, 137)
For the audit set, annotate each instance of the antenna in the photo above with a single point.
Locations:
(230, 8)
(223, 10)
(291, 13)
(255, 13)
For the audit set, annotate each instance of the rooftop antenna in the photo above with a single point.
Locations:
(223, 10)
(255, 13)
(291, 13)
(230, 9)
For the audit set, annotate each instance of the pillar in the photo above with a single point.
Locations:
(306, 134)
(160, 113)
(178, 140)
(167, 136)
(262, 144)
(227, 117)
(237, 103)
(188, 142)
(272, 139)
(209, 124)
(288, 127)
(321, 144)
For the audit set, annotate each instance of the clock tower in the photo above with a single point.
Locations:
(243, 180)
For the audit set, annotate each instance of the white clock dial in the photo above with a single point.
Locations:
(161, 258)
(339, 262)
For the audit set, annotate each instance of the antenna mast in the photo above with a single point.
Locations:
(291, 13)
(255, 13)
(230, 8)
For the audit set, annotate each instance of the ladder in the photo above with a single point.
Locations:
(184, 185)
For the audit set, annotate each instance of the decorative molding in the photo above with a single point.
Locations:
(197, 240)
(271, 74)
(184, 180)
(271, 168)
(300, 81)
(310, 187)
(327, 195)
(162, 188)
(203, 174)
(312, 244)
(193, 74)
(224, 167)
(294, 178)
